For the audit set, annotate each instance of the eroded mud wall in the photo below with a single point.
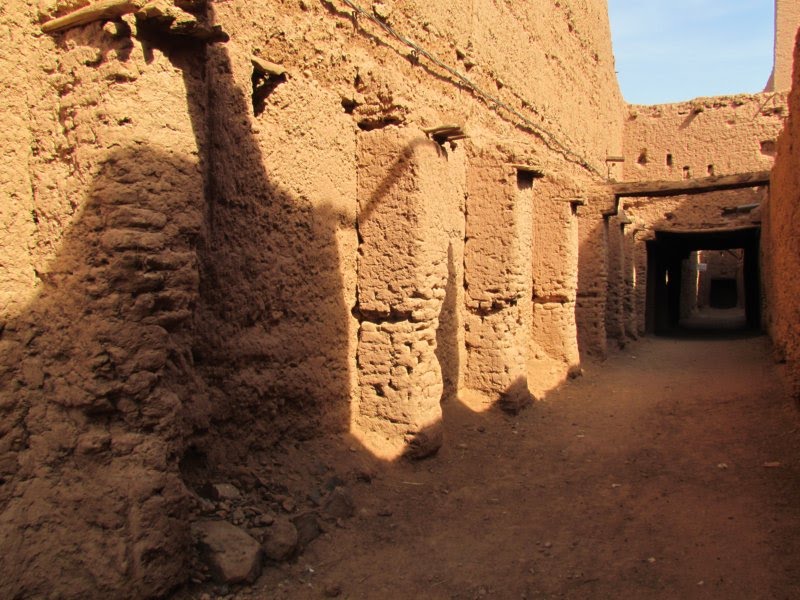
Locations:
(350, 88)
(787, 20)
(781, 243)
(203, 258)
(554, 253)
(103, 209)
(707, 136)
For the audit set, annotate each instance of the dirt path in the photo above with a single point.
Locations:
(644, 479)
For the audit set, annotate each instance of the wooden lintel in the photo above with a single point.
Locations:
(442, 128)
(105, 9)
(691, 186)
(537, 172)
(615, 159)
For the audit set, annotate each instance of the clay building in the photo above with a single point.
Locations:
(231, 223)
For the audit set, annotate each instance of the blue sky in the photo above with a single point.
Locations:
(673, 50)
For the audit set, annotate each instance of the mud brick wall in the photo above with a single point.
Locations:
(411, 209)
(554, 255)
(100, 281)
(707, 136)
(781, 244)
(616, 285)
(590, 308)
(722, 265)
(276, 337)
(787, 20)
(498, 279)
(632, 270)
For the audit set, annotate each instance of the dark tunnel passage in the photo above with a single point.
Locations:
(703, 281)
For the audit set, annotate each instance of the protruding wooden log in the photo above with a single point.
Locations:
(264, 67)
(106, 9)
(446, 133)
(691, 186)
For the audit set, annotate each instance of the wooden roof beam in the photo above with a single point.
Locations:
(700, 185)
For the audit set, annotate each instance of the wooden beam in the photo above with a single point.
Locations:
(105, 9)
(691, 186)
(265, 67)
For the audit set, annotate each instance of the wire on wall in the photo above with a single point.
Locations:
(549, 138)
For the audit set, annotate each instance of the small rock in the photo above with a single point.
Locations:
(334, 482)
(308, 528)
(224, 491)
(772, 465)
(381, 11)
(288, 505)
(333, 590)
(339, 504)
(385, 512)
(117, 29)
(364, 475)
(263, 520)
(232, 555)
(280, 540)
(315, 497)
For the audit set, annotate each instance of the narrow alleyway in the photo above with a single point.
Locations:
(672, 470)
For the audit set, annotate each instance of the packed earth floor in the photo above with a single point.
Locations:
(671, 470)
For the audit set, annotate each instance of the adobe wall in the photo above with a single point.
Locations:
(706, 136)
(781, 244)
(103, 205)
(202, 260)
(787, 20)
(688, 140)
(362, 93)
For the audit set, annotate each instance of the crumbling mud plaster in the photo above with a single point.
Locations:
(98, 392)
(230, 225)
(411, 229)
(704, 137)
(498, 279)
(781, 243)
(554, 251)
(217, 239)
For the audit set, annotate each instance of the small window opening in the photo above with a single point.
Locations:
(525, 179)
(687, 172)
(711, 170)
(669, 160)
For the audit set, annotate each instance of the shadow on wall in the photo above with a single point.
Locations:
(99, 393)
(273, 337)
(177, 320)
(193, 318)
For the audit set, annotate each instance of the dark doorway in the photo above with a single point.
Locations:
(674, 264)
(723, 293)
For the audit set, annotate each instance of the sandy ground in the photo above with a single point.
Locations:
(671, 470)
